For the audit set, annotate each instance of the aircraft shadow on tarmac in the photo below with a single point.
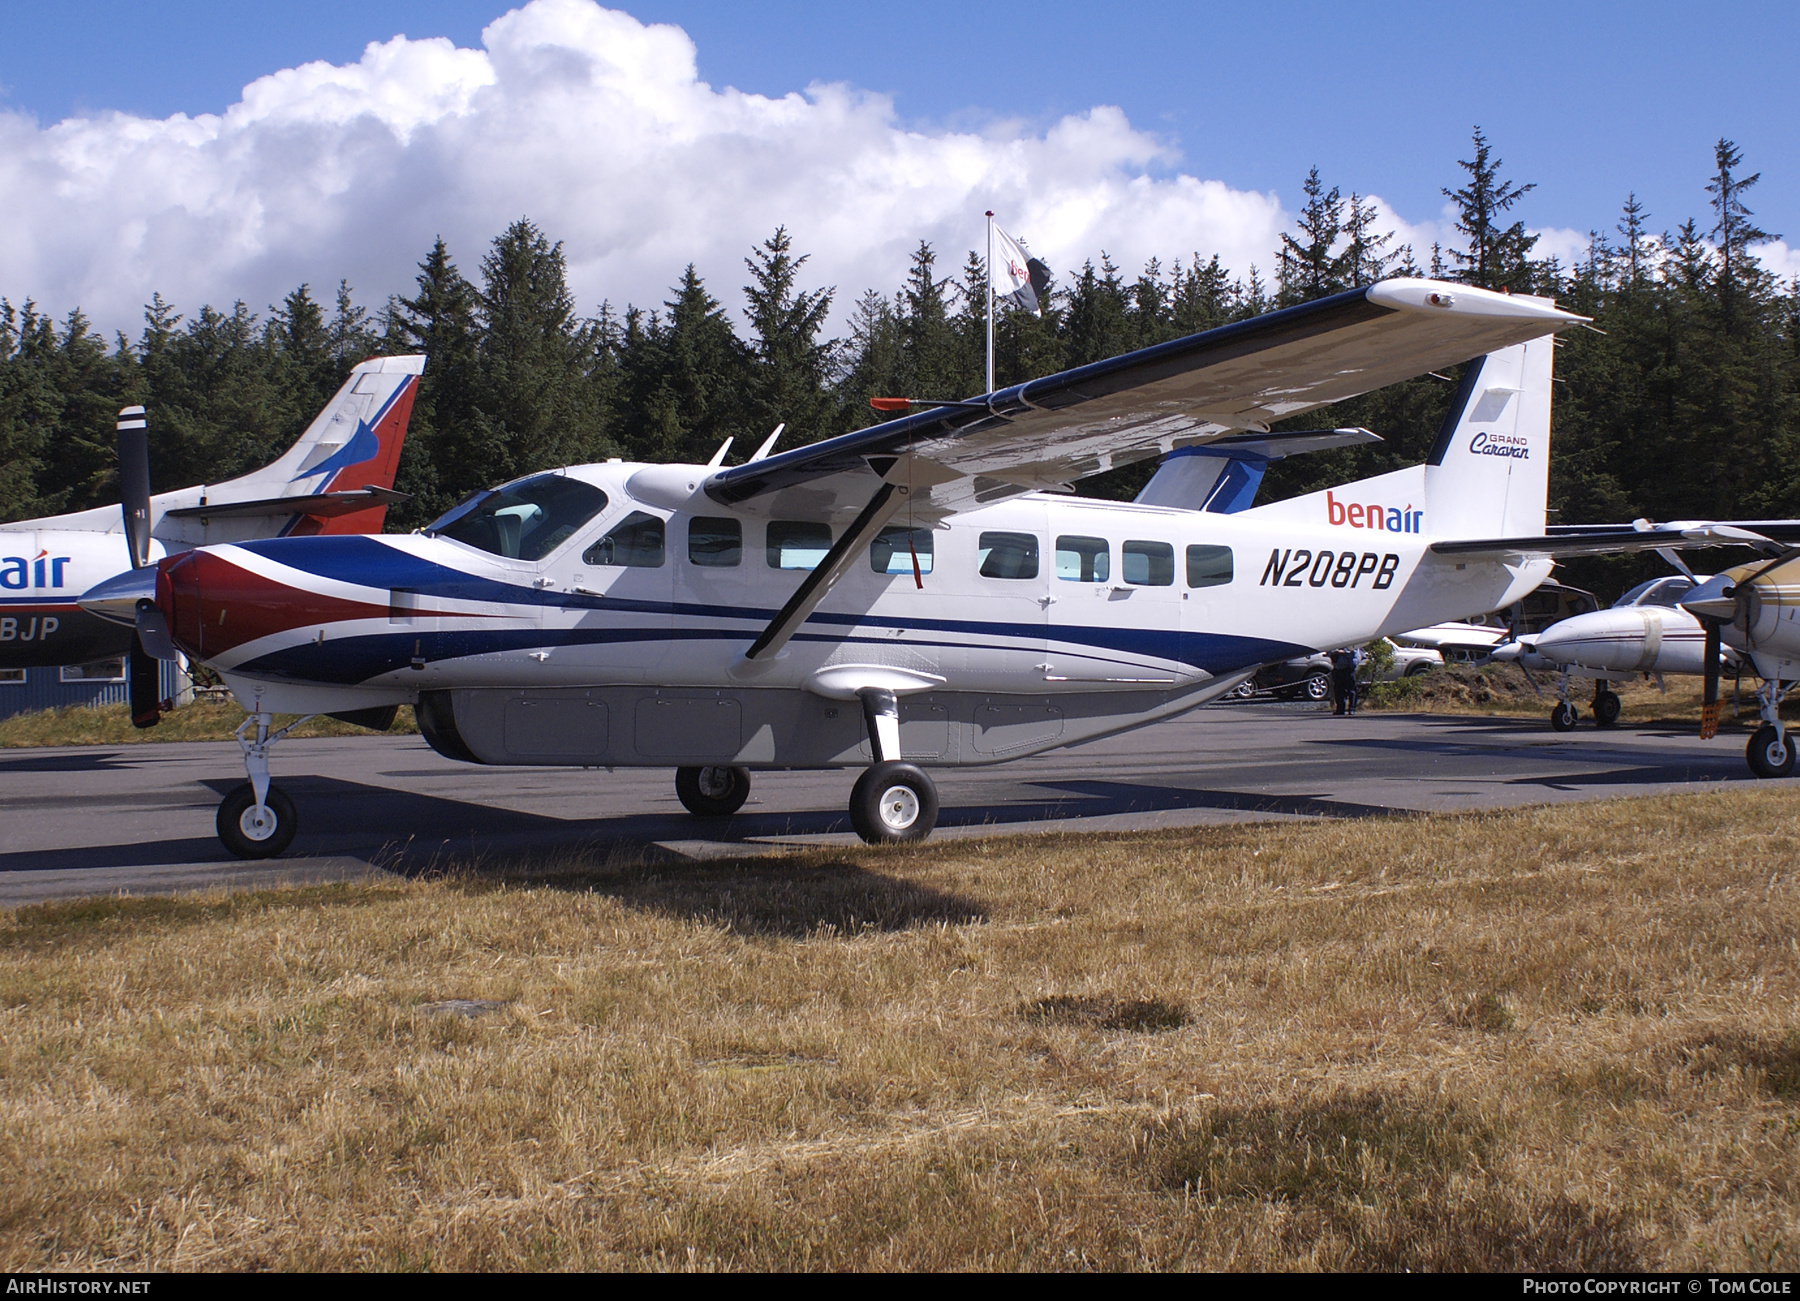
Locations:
(78, 761)
(410, 833)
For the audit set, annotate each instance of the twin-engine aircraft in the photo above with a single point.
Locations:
(1754, 610)
(915, 594)
(338, 478)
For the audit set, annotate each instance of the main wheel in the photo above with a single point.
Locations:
(1563, 717)
(1770, 755)
(1318, 687)
(713, 791)
(1606, 709)
(893, 802)
(250, 832)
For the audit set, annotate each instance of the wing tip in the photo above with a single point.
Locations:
(1413, 295)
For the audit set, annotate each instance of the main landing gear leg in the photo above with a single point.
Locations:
(257, 820)
(1606, 703)
(892, 801)
(1563, 717)
(1770, 753)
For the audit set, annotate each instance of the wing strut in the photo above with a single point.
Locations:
(887, 499)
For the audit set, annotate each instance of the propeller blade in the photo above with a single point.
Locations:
(145, 687)
(1709, 711)
(134, 483)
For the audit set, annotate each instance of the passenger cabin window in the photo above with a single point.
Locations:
(526, 520)
(1007, 555)
(715, 543)
(635, 541)
(1083, 560)
(1148, 564)
(890, 553)
(797, 544)
(1208, 566)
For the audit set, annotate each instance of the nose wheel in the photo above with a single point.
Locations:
(258, 820)
(253, 830)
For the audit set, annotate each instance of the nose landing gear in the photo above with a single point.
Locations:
(258, 820)
(1771, 750)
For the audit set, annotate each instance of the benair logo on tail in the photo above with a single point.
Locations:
(1486, 444)
(1373, 515)
(42, 571)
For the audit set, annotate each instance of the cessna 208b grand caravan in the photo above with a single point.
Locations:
(338, 478)
(912, 594)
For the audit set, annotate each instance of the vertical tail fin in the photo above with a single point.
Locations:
(354, 443)
(1488, 474)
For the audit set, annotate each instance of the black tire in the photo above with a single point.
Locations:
(245, 839)
(1317, 687)
(1244, 690)
(1563, 718)
(1770, 755)
(1414, 670)
(712, 791)
(893, 803)
(1606, 709)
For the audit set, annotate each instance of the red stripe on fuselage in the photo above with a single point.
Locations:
(213, 605)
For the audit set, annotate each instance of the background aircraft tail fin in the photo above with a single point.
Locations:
(353, 443)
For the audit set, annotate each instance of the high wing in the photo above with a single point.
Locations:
(1047, 432)
(1773, 537)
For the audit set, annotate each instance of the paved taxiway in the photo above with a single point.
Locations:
(139, 818)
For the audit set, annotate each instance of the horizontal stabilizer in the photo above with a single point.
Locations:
(1602, 540)
(324, 505)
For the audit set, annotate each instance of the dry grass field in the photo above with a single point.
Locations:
(1554, 1039)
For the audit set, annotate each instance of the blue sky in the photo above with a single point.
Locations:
(1224, 109)
(1589, 100)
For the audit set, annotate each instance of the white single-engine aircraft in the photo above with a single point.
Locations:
(909, 595)
(337, 478)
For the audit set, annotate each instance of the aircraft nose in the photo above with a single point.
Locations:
(116, 599)
(178, 597)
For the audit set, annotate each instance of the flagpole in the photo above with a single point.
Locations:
(990, 302)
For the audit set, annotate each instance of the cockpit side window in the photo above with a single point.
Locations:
(1631, 597)
(526, 520)
(1668, 592)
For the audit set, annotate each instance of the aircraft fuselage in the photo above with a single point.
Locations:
(1031, 623)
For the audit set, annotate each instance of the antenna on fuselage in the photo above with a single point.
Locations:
(768, 444)
(718, 457)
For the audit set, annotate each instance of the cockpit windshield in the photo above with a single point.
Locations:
(1658, 591)
(526, 520)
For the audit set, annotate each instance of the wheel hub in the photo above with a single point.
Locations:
(257, 822)
(899, 808)
(715, 783)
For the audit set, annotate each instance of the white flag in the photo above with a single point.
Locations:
(1018, 277)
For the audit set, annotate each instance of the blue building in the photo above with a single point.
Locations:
(23, 691)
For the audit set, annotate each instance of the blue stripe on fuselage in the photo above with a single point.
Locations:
(362, 560)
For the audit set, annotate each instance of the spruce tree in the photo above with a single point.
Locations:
(791, 363)
(1498, 256)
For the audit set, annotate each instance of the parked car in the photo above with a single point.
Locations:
(1308, 677)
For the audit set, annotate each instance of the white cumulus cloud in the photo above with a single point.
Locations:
(597, 127)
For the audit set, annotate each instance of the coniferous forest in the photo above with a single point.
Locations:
(1683, 402)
